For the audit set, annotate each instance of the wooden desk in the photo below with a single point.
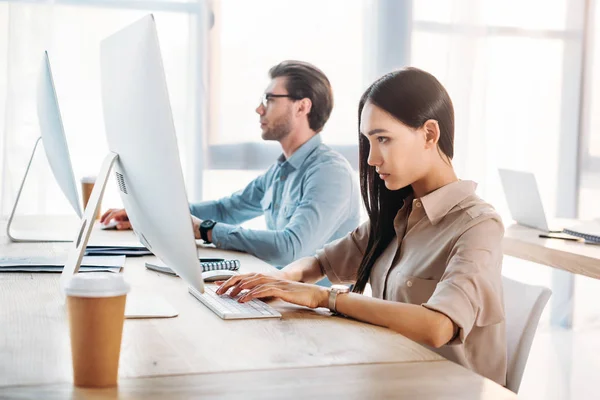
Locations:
(577, 258)
(197, 353)
(421, 380)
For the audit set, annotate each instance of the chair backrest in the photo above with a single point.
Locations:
(523, 306)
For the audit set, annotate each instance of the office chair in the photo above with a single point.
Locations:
(523, 305)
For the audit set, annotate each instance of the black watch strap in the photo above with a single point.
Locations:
(205, 226)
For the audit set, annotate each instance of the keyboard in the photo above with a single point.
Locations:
(227, 307)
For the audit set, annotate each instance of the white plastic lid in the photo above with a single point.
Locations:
(88, 179)
(97, 284)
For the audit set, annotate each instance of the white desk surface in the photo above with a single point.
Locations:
(199, 354)
(577, 258)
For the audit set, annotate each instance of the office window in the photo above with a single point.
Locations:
(589, 194)
(507, 73)
(249, 37)
(493, 13)
(72, 34)
(245, 41)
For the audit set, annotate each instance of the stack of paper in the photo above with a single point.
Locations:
(56, 264)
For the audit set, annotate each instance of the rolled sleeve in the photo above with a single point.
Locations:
(220, 232)
(341, 259)
(470, 290)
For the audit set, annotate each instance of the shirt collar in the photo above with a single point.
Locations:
(302, 153)
(438, 203)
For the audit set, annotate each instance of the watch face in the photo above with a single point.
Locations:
(207, 224)
(341, 288)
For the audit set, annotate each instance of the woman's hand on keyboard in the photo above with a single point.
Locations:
(261, 286)
(241, 282)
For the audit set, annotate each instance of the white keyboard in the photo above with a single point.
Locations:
(227, 307)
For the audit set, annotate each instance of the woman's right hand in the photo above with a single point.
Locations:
(119, 215)
(263, 286)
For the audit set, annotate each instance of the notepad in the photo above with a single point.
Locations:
(208, 264)
(56, 264)
(590, 231)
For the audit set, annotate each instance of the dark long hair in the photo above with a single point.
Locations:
(412, 96)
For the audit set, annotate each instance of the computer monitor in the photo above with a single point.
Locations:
(141, 136)
(53, 135)
(57, 153)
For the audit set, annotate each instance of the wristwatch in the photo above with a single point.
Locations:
(206, 226)
(334, 290)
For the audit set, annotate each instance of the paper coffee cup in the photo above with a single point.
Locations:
(96, 304)
(87, 185)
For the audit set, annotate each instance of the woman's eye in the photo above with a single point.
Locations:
(382, 139)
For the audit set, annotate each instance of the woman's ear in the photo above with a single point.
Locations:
(432, 133)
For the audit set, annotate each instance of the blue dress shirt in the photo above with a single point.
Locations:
(308, 200)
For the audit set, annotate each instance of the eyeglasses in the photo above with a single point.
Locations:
(264, 100)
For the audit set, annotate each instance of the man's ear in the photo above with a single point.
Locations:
(432, 133)
(304, 106)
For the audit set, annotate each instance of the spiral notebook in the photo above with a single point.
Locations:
(590, 231)
(208, 264)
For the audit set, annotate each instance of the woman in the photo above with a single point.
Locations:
(431, 248)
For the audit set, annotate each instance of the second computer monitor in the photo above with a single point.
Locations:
(53, 135)
(57, 153)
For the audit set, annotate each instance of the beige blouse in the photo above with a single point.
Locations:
(447, 256)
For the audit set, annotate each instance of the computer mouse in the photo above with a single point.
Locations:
(218, 275)
(112, 224)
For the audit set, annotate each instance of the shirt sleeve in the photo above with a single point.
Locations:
(324, 207)
(341, 259)
(470, 290)
(240, 207)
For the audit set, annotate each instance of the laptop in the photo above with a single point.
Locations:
(524, 200)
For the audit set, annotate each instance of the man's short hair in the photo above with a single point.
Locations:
(304, 80)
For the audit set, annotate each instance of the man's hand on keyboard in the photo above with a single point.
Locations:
(261, 286)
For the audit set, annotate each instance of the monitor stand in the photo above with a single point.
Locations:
(34, 236)
(137, 306)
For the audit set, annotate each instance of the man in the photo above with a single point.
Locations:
(309, 197)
